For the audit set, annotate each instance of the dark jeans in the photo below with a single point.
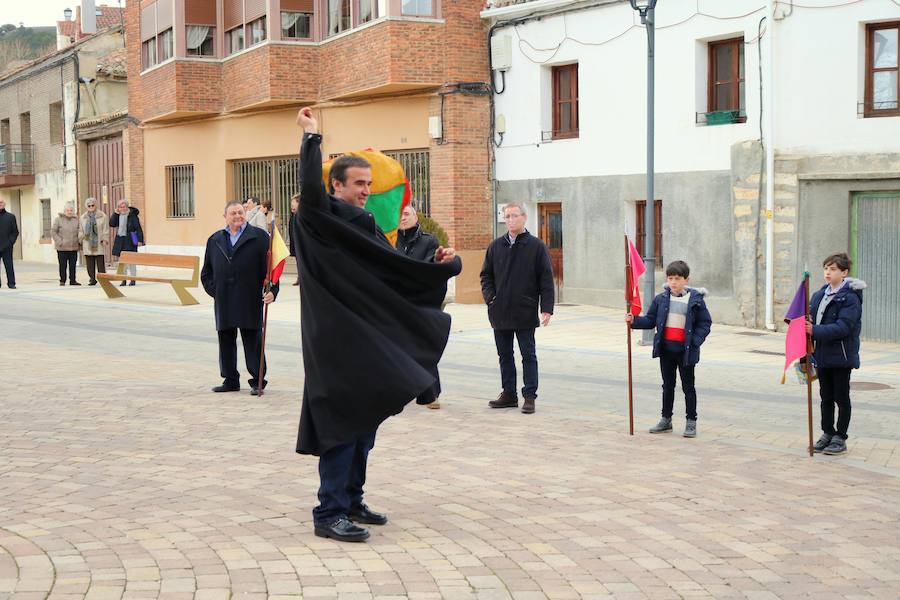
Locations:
(504, 340)
(7, 258)
(834, 388)
(342, 475)
(67, 259)
(251, 338)
(669, 363)
(95, 264)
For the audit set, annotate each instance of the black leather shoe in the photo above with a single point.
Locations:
(226, 388)
(254, 391)
(12, 287)
(123, 284)
(74, 283)
(343, 530)
(132, 283)
(364, 514)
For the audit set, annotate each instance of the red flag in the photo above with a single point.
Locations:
(633, 290)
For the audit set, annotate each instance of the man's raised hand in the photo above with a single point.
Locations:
(307, 121)
(444, 255)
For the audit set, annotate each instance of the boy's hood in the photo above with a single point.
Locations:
(702, 291)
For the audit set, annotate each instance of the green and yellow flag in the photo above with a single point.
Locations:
(390, 189)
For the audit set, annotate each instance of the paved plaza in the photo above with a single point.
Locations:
(122, 476)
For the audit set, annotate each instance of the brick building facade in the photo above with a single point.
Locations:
(377, 77)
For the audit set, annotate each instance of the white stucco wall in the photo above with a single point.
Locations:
(819, 80)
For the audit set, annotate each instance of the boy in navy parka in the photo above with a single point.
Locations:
(682, 323)
(836, 313)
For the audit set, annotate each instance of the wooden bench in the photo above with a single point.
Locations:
(146, 259)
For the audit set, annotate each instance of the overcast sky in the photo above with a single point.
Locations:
(38, 13)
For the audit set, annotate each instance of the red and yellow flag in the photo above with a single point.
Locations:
(280, 254)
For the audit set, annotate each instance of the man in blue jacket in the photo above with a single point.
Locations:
(836, 310)
(682, 323)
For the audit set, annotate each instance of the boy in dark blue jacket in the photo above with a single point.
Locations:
(682, 323)
(836, 313)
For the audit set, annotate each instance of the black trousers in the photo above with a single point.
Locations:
(834, 388)
(251, 338)
(7, 258)
(342, 475)
(503, 338)
(669, 363)
(95, 264)
(67, 259)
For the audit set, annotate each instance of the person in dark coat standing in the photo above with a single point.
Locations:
(372, 331)
(234, 272)
(517, 282)
(126, 222)
(295, 204)
(420, 245)
(9, 233)
(835, 327)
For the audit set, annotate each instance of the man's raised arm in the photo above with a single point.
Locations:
(312, 189)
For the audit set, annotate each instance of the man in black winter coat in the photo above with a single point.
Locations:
(420, 245)
(372, 331)
(9, 233)
(234, 272)
(517, 279)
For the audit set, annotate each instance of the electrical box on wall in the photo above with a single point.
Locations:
(501, 52)
(500, 124)
(500, 209)
(434, 128)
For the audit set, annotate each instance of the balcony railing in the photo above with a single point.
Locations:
(16, 159)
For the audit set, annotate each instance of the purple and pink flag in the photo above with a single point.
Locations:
(795, 343)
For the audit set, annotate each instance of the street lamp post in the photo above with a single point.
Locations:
(647, 10)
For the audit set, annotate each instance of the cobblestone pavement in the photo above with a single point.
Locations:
(121, 476)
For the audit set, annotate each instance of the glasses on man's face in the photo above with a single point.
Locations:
(508, 217)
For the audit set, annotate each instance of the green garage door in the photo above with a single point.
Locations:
(876, 258)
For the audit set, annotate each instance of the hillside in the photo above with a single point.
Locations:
(24, 43)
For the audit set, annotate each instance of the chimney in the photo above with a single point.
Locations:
(67, 14)
(88, 17)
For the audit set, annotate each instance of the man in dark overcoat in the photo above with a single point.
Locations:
(517, 282)
(9, 233)
(372, 331)
(234, 273)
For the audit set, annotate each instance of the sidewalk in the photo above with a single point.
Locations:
(122, 476)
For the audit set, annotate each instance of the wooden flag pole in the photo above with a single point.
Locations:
(628, 287)
(809, 368)
(267, 286)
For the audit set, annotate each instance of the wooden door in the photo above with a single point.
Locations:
(106, 177)
(551, 233)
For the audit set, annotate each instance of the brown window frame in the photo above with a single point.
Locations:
(639, 207)
(57, 123)
(868, 109)
(736, 80)
(572, 101)
(46, 219)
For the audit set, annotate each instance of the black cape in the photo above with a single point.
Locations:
(373, 330)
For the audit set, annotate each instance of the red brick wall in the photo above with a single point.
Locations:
(390, 52)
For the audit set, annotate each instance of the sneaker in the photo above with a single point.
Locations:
(837, 446)
(505, 400)
(690, 428)
(823, 442)
(664, 425)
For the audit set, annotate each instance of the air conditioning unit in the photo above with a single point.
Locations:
(501, 52)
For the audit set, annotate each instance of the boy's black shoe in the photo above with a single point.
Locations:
(342, 530)
(823, 442)
(505, 400)
(837, 446)
(364, 514)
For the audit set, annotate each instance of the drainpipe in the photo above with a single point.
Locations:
(769, 71)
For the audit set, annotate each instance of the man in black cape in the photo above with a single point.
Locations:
(373, 331)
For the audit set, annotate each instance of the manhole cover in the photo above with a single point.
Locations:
(751, 333)
(766, 352)
(868, 386)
